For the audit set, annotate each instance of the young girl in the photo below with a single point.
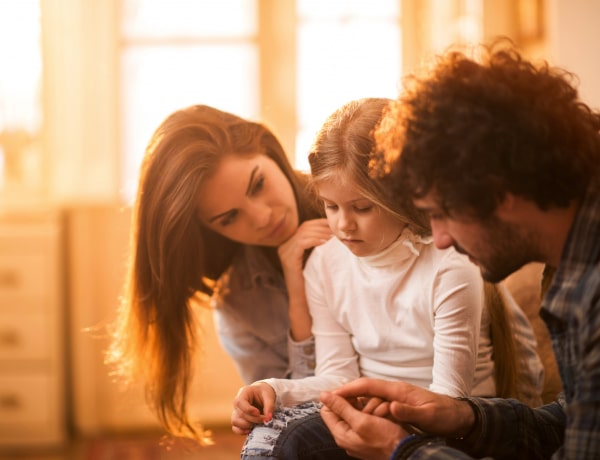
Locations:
(222, 218)
(385, 302)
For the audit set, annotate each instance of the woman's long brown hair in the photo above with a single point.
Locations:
(174, 260)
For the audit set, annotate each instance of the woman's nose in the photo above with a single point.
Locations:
(260, 213)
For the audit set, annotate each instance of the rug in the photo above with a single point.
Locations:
(226, 446)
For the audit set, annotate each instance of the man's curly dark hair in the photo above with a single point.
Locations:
(475, 129)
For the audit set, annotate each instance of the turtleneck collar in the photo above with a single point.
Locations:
(406, 245)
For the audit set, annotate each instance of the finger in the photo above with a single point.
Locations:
(336, 425)
(239, 425)
(373, 387)
(339, 406)
(383, 410)
(371, 405)
(242, 404)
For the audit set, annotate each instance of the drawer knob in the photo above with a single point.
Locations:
(9, 338)
(9, 279)
(9, 402)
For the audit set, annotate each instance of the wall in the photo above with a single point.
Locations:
(574, 42)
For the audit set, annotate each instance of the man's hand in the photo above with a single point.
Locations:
(358, 432)
(428, 411)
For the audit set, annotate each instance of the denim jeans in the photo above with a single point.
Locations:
(305, 437)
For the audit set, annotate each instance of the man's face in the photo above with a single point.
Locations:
(498, 247)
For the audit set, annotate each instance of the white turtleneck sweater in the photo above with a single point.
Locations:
(412, 313)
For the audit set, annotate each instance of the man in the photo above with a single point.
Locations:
(506, 160)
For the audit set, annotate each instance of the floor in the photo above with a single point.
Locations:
(138, 446)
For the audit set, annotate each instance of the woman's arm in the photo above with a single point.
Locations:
(255, 357)
(310, 233)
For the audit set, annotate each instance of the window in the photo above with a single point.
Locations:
(20, 99)
(177, 53)
(346, 50)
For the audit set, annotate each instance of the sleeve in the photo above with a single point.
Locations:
(508, 429)
(457, 308)
(302, 357)
(582, 439)
(253, 358)
(336, 359)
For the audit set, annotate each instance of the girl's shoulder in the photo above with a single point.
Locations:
(329, 253)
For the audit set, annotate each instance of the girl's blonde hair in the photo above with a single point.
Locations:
(343, 151)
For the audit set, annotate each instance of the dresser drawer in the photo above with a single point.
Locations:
(24, 401)
(24, 337)
(28, 269)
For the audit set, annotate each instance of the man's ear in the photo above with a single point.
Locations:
(508, 207)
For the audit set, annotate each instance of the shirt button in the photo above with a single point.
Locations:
(309, 349)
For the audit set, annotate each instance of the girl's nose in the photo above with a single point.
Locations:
(345, 222)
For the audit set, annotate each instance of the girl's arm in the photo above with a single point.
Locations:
(337, 361)
(457, 296)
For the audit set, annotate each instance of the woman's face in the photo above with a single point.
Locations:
(248, 199)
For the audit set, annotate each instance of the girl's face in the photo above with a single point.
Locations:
(365, 228)
(249, 200)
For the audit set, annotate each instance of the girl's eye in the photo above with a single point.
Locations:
(363, 209)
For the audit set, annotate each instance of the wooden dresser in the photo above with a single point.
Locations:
(32, 380)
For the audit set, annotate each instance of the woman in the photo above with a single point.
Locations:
(220, 218)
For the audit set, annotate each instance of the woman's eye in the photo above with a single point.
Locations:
(259, 184)
(228, 219)
(331, 207)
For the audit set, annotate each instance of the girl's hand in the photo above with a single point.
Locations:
(253, 404)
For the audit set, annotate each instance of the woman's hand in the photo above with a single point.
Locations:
(253, 404)
(310, 233)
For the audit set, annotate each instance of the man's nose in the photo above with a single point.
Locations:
(441, 237)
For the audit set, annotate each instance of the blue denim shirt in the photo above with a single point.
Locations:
(252, 323)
